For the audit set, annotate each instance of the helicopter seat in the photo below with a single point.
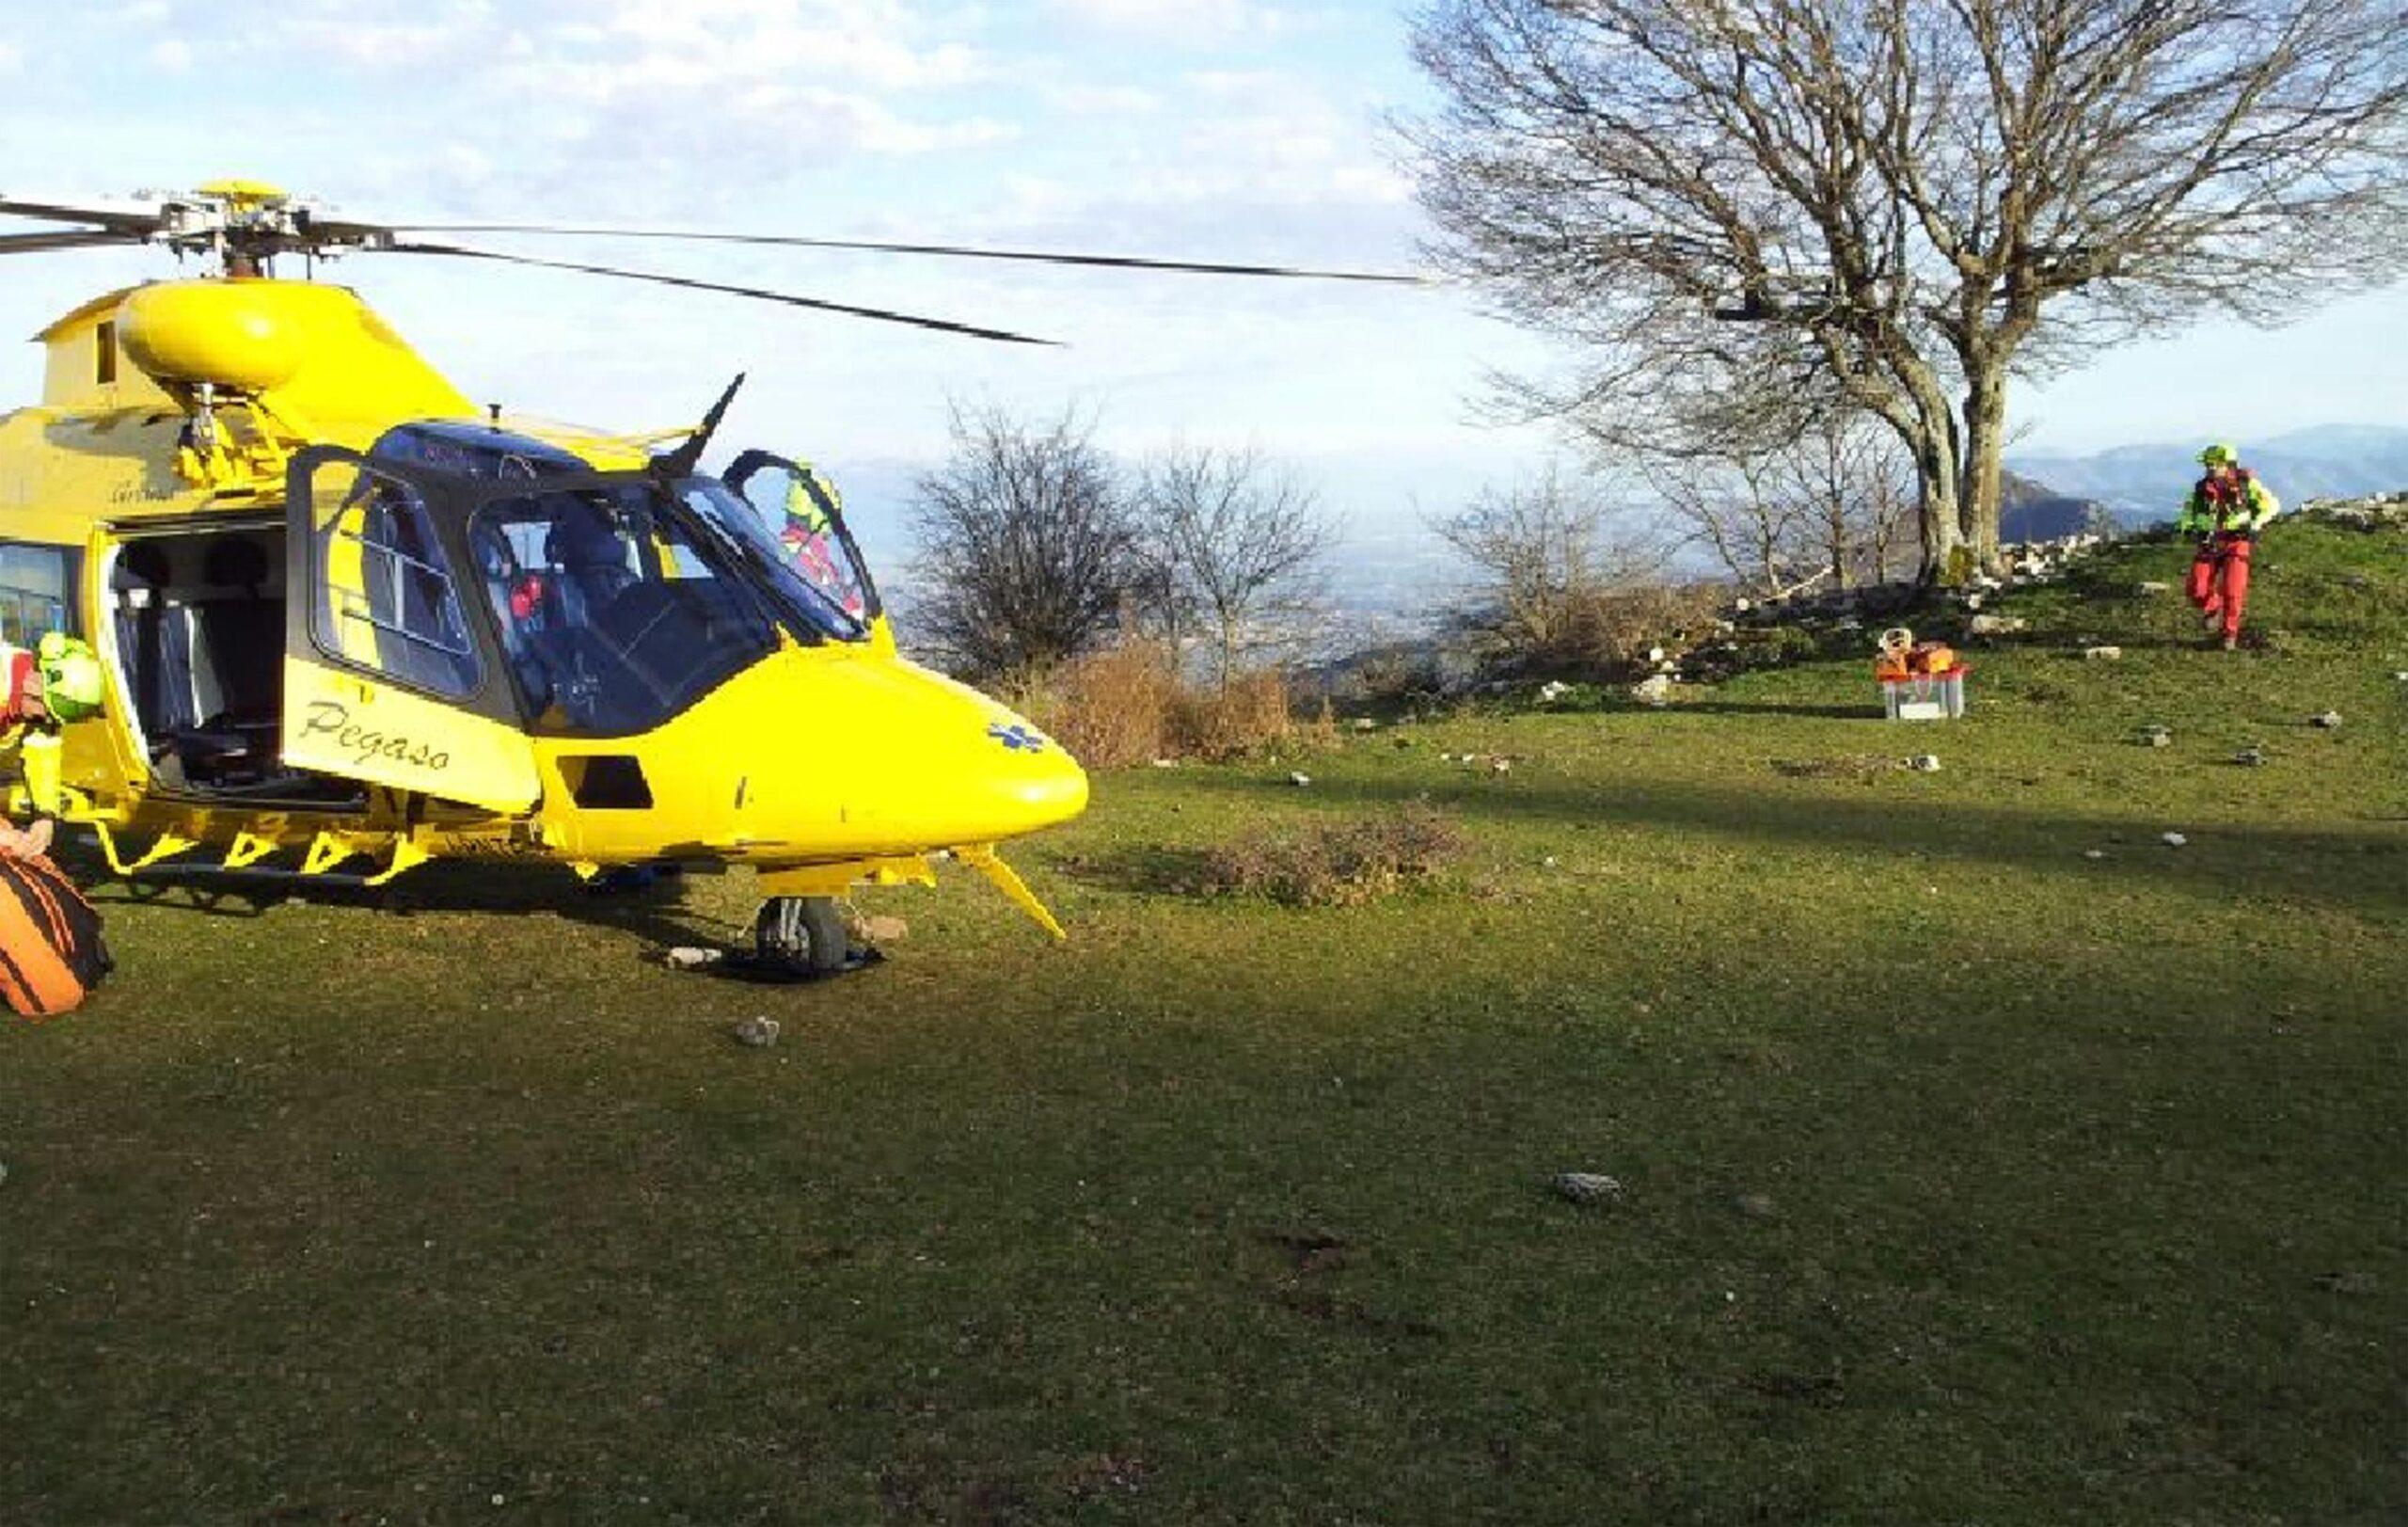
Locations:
(241, 641)
(203, 660)
(153, 640)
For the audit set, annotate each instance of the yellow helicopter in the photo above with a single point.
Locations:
(347, 622)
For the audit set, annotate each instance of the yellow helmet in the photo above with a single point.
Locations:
(70, 676)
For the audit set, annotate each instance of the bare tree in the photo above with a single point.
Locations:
(1027, 543)
(1831, 504)
(1852, 491)
(1545, 556)
(1240, 545)
(1733, 505)
(1894, 206)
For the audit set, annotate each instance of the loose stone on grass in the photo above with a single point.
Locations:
(2154, 736)
(2250, 757)
(1587, 1187)
(2106, 654)
(1998, 625)
(757, 1033)
(2152, 586)
(1925, 763)
(690, 957)
(2173, 840)
(2328, 720)
(1300, 779)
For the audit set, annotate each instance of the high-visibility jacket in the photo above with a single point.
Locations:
(2237, 506)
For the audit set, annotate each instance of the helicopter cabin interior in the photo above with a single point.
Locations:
(196, 629)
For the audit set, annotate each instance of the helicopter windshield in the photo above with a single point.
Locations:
(615, 612)
(809, 567)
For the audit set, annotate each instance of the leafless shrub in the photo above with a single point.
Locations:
(1232, 545)
(1558, 573)
(1831, 504)
(1029, 544)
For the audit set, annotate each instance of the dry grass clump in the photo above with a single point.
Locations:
(1128, 705)
(1591, 632)
(1336, 864)
(1226, 724)
(1112, 708)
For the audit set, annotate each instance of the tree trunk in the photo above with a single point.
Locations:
(1978, 501)
(1936, 498)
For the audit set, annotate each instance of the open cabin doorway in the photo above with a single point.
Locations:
(195, 624)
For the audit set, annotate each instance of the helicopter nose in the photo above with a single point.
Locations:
(927, 763)
(1035, 784)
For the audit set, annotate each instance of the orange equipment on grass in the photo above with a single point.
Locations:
(1919, 680)
(1902, 657)
(51, 950)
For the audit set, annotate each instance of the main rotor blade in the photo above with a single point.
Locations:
(882, 315)
(65, 239)
(952, 250)
(134, 217)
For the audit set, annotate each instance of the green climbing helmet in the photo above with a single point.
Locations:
(70, 676)
(2219, 454)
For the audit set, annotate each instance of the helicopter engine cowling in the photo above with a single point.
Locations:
(317, 355)
(245, 337)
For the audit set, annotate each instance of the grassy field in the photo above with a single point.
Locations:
(1983, 1159)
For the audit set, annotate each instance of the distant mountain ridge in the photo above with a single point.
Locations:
(2142, 484)
(2030, 510)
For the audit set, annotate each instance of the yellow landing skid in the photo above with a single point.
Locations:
(982, 858)
(912, 869)
(246, 850)
(249, 849)
(168, 846)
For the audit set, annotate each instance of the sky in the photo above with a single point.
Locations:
(1245, 130)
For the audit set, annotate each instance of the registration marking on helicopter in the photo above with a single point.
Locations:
(330, 718)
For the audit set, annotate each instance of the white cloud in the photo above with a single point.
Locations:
(172, 54)
(12, 57)
(617, 46)
(1176, 21)
(1102, 99)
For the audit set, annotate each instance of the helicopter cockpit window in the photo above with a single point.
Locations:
(790, 523)
(382, 596)
(615, 613)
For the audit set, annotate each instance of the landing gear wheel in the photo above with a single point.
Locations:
(805, 934)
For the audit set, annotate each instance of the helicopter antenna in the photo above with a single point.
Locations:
(682, 461)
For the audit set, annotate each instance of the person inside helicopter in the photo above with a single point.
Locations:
(614, 614)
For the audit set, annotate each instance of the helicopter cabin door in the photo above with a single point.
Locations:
(803, 511)
(386, 680)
